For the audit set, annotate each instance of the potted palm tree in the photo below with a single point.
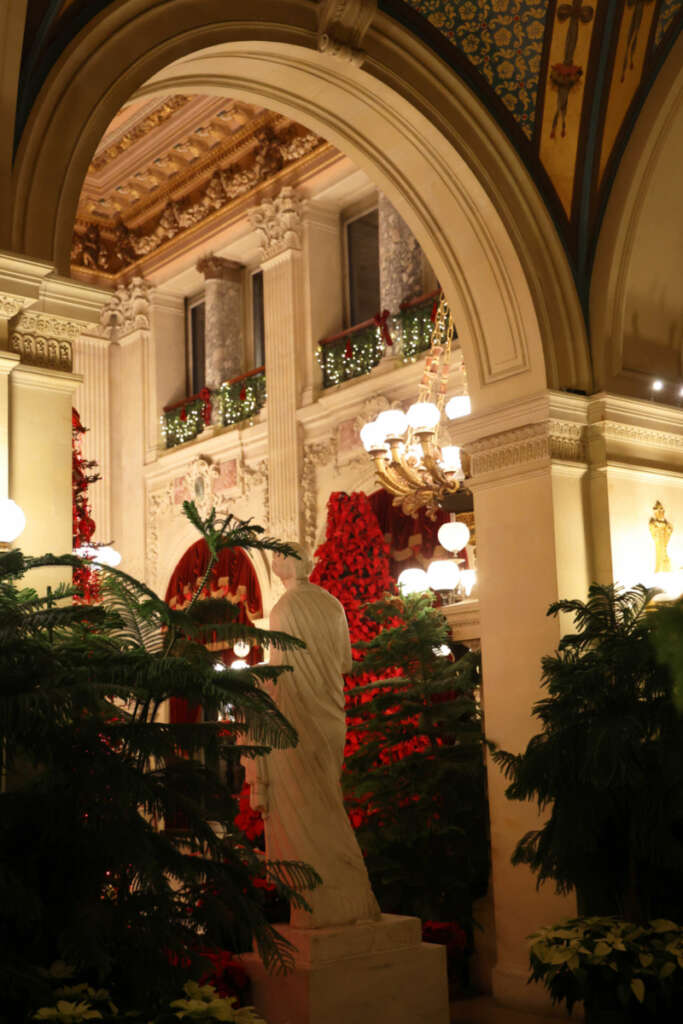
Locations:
(608, 762)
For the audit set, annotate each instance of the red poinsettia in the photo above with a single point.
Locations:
(83, 525)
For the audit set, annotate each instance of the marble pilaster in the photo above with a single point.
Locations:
(401, 261)
(223, 319)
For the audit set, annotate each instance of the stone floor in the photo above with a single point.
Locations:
(484, 1010)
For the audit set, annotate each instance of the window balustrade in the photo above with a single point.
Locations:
(235, 401)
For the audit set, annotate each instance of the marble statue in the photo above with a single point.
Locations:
(298, 790)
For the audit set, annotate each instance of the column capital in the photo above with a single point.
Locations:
(216, 268)
(279, 223)
(127, 309)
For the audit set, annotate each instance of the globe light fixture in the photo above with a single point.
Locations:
(443, 574)
(218, 666)
(239, 663)
(413, 581)
(12, 522)
(241, 649)
(453, 536)
(459, 405)
(409, 462)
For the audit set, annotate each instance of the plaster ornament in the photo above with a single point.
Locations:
(298, 790)
(342, 25)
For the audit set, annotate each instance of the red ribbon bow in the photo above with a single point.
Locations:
(381, 322)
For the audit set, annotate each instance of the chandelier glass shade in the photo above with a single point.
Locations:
(409, 461)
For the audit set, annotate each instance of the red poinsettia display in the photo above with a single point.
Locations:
(353, 564)
(82, 476)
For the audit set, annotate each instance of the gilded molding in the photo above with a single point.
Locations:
(278, 223)
(110, 247)
(139, 131)
(543, 441)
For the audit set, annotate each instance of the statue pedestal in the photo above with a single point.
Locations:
(355, 974)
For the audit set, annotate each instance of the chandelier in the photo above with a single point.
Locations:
(409, 461)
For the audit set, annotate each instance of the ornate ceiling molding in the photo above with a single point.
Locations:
(111, 247)
(149, 122)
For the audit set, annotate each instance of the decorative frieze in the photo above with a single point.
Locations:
(278, 223)
(522, 446)
(44, 339)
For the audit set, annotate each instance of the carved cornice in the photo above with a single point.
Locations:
(151, 121)
(523, 446)
(342, 25)
(633, 434)
(127, 310)
(278, 223)
(110, 246)
(216, 268)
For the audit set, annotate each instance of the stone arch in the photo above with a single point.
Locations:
(429, 144)
(636, 310)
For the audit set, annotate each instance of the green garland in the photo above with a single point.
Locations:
(352, 355)
(416, 330)
(177, 428)
(241, 400)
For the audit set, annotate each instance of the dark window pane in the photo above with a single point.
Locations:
(197, 343)
(362, 236)
(258, 319)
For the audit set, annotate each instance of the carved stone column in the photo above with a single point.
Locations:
(223, 319)
(279, 225)
(401, 261)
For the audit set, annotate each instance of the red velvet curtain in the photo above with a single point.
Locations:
(233, 578)
(411, 539)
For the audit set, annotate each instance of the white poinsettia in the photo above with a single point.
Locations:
(203, 1003)
(66, 1012)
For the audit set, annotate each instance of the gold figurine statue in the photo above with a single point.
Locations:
(661, 530)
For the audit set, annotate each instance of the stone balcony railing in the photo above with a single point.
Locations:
(359, 349)
(235, 401)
